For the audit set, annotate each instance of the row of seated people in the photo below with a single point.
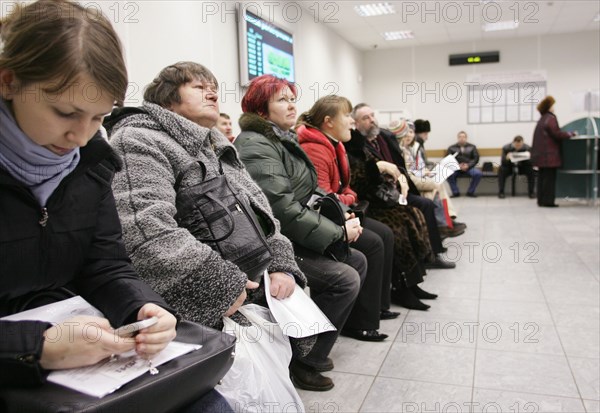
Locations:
(515, 158)
(392, 247)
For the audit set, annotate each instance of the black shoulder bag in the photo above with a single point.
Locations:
(330, 208)
(216, 216)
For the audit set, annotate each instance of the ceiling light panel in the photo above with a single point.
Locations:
(374, 9)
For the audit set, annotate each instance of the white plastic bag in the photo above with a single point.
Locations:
(259, 379)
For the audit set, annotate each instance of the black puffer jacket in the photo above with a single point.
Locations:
(78, 247)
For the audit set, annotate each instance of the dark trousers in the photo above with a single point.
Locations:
(523, 167)
(211, 402)
(334, 287)
(475, 175)
(377, 244)
(546, 188)
(427, 207)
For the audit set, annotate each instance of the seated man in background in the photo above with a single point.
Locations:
(515, 154)
(467, 157)
(225, 126)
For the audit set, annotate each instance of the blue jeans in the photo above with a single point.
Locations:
(475, 175)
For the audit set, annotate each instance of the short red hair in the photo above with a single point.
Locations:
(260, 91)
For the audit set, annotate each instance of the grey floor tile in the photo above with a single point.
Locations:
(524, 372)
(575, 316)
(443, 332)
(581, 342)
(587, 376)
(506, 401)
(519, 337)
(578, 274)
(438, 364)
(514, 312)
(347, 395)
(394, 395)
(592, 406)
(578, 293)
(512, 292)
(525, 276)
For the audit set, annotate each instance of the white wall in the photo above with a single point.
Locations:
(206, 32)
(571, 62)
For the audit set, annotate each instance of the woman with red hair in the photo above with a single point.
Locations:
(275, 160)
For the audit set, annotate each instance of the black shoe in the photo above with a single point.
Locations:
(501, 195)
(407, 299)
(550, 205)
(471, 195)
(446, 232)
(439, 263)
(307, 378)
(455, 195)
(458, 226)
(388, 315)
(363, 335)
(531, 196)
(327, 366)
(422, 294)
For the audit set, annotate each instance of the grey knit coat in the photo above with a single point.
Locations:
(155, 148)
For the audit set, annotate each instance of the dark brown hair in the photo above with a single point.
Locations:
(164, 89)
(58, 40)
(326, 106)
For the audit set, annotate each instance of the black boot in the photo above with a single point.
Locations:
(307, 378)
(407, 299)
(422, 294)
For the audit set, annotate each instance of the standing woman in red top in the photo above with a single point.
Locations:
(545, 151)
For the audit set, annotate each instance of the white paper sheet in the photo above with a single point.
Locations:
(298, 315)
(445, 168)
(108, 375)
(519, 156)
(58, 312)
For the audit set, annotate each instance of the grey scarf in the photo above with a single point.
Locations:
(31, 164)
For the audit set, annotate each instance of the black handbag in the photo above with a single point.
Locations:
(216, 216)
(387, 191)
(330, 208)
(360, 209)
(179, 382)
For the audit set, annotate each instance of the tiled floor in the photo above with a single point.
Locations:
(516, 327)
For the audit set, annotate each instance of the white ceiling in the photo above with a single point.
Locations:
(439, 22)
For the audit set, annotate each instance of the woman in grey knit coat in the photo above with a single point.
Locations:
(157, 142)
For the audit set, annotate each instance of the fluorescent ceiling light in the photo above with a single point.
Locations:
(400, 35)
(503, 25)
(374, 9)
